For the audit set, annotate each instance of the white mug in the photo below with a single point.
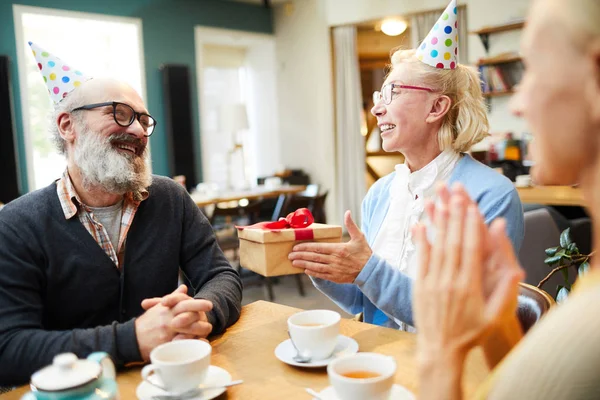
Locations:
(315, 333)
(362, 376)
(181, 365)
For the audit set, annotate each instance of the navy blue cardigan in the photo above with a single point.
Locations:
(59, 291)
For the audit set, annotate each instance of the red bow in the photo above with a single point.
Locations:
(301, 218)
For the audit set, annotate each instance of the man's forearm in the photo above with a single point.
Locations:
(225, 292)
(28, 350)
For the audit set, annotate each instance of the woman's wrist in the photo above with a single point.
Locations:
(440, 374)
(501, 340)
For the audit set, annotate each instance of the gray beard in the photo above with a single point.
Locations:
(103, 167)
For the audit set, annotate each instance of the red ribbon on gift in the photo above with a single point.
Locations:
(298, 220)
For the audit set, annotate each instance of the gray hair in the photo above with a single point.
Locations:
(73, 100)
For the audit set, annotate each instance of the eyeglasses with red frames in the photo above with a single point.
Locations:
(387, 92)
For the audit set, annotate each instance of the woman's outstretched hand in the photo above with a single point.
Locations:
(335, 262)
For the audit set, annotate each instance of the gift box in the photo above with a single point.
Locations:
(265, 249)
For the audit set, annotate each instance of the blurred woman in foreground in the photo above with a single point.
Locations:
(560, 357)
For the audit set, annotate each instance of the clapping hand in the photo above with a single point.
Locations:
(465, 285)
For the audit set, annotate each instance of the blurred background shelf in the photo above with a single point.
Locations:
(499, 93)
(503, 59)
(484, 33)
(499, 28)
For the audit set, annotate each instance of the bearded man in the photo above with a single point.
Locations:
(91, 262)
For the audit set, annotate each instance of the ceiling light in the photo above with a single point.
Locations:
(393, 27)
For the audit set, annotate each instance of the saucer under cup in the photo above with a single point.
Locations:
(398, 392)
(215, 376)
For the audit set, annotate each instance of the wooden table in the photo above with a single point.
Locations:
(246, 350)
(552, 195)
(260, 192)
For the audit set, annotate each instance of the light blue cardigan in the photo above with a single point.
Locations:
(379, 286)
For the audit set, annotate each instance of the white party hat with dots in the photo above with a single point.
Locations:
(440, 48)
(59, 77)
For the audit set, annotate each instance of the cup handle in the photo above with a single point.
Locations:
(148, 371)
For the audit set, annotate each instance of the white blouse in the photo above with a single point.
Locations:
(407, 201)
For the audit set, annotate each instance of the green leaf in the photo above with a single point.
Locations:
(562, 295)
(573, 248)
(552, 260)
(583, 269)
(565, 273)
(563, 254)
(551, 251)
(565, 238)
(558, 287)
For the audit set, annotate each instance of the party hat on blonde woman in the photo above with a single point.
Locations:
(440, 48)
(60, 78)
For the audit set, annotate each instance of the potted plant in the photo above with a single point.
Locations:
(564, 258)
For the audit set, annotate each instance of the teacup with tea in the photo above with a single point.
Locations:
(362, 376)
(315, 333)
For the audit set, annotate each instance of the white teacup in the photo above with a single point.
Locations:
(181, 365)
(523, 180)
(315, 333)
(362, 376)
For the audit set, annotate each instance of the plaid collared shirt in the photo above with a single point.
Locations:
(72, 205)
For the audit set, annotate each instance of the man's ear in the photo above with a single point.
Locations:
(66, 127)
(439, 108)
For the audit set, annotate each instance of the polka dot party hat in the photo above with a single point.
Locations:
(60, 78)
(440, 47)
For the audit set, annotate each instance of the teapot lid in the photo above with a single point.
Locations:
(66, 372)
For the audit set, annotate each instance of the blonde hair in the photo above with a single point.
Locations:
(466, 123)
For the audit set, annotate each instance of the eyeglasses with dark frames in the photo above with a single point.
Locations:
(387, 92)
(125, 115)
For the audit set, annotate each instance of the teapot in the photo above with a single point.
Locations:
(69, 377)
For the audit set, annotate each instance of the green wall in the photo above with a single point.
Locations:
(168, 34)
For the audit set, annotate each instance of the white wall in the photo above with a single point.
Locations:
(305, 81)
(305, 94)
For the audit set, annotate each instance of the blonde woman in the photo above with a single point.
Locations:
(431, 109)
(560, 356)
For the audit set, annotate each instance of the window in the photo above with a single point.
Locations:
(224, 86)
(237, 74)
(98, 45)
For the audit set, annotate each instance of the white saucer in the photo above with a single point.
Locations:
(215, 376)
(345, 346)
(398, 393)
